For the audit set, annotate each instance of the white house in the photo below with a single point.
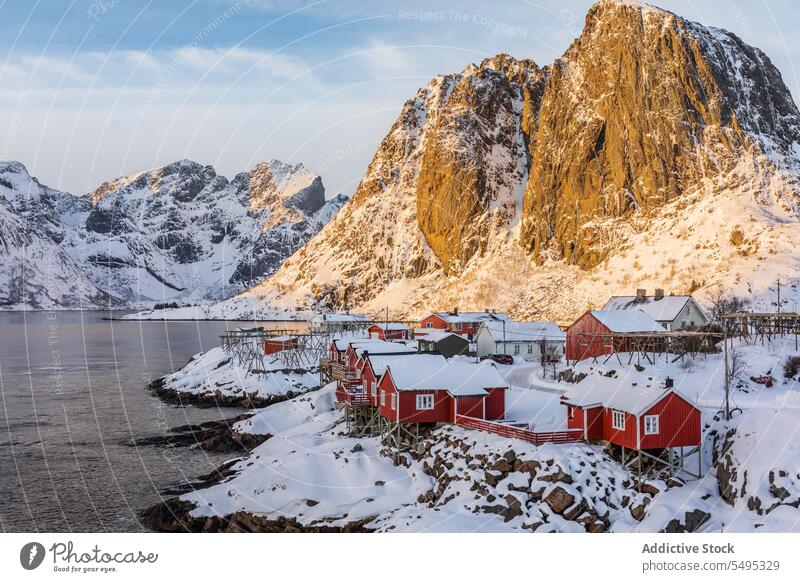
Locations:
(673, 312)
(324, 322)
(530, 340)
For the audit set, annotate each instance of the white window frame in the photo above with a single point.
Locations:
(425, 401)
(458, 327)
(374, 388)
(429, 325)
(651, 424)
(516, 349)
(530, 349)
(393, 401)
(616, 415)
(383, 397)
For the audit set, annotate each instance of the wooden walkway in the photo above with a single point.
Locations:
(513, 432)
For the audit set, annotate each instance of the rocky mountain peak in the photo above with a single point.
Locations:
(558, 169)
(293, 186)
(642, 106)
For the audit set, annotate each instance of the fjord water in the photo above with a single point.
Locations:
(72, 397)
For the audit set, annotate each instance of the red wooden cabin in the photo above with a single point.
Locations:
(431, 390)
(389, 331)
(585, 336)
(465, 324)
(273, 345)
(634, 417)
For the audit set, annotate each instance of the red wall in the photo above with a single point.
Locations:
(496, 404)
(275, 346)
(575, 350)
(389, 334)
(367, 376)
(577, 417)
(438, 322)
(467, 328)
(594, 423)
(679, 424)
(625, 438)
(471, 406)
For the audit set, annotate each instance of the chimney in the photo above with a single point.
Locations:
(640, 295)
(659, 294)
(455, 310)
(668, 383)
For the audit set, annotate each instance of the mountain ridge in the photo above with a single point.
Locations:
(538, 189)
(177, 232)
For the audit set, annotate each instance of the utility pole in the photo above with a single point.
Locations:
(727, 378)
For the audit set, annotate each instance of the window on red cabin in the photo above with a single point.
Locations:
(458, 327)
(394, 401)
(617, 420)
(383, 398)
(429, 324)
(424, 401)
(651, 424)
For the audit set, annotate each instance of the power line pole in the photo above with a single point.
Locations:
(727, 377)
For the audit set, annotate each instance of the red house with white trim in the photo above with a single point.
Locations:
(584, 337)
(464, 324)
(389, 331)
(634, 417)
(431, 389)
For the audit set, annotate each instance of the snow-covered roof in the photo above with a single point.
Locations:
(472, 316)
(437, 336)
(339, 318)
(665, 309)
(525, 331)
(627, 321)
(380, 362)
(281, 338)
(434, 372)
(391, 326)
(381, 347)
(616, 393)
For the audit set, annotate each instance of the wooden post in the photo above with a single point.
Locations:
(727, 378)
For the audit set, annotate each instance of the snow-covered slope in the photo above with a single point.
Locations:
(36, 273)
(655, 153)
(179, 232)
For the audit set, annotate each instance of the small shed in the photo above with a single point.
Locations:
(589, 337)
(635, 417)
(389, 331)
(275, 344)
(445, 343)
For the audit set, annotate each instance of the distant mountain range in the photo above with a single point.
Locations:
(177, 233)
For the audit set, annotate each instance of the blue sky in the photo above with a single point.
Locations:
(90, 90)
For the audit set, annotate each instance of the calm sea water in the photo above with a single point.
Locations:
(72, 394)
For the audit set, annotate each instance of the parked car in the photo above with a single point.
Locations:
(499, 358)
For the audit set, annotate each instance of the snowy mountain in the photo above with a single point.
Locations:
(36, 273)
(179, 232)
(655, 152)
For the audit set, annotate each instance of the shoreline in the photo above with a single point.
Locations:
(172, 396)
